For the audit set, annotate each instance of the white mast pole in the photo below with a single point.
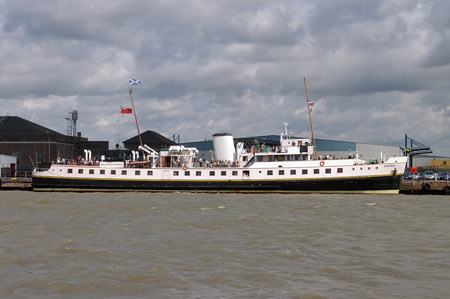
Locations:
(310, 119)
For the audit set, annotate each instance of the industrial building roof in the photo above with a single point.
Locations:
(14, 125)
(200, 145)
(15, 129)
(334, 145)
(151, 138)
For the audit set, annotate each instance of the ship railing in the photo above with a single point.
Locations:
(203, 164)
(216, 164)
(76, 163)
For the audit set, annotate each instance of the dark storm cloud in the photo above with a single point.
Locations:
(376, 69)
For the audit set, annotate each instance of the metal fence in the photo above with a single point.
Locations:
(6, 173)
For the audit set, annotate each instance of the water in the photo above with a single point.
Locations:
(181, 245)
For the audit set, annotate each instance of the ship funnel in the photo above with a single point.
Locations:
(223, 147)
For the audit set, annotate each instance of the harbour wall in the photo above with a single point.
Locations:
(424, 187)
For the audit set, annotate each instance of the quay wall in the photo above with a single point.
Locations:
(424, 187)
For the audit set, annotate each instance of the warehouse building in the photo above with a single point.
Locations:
(34, 145)
(431, 161)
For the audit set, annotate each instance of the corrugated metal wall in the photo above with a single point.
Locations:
(373, 151)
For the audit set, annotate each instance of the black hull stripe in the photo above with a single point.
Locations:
(345, 185)
(216, 180)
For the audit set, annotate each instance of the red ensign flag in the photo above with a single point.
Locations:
(125, 110)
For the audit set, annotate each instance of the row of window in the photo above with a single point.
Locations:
(113, 171)
(211, 172)
(304, 171)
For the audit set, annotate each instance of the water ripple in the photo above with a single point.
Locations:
(223, 245)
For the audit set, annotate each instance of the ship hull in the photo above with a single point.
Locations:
(374, 184)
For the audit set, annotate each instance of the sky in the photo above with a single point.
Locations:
(376, 70)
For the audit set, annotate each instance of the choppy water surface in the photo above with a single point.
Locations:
(223, 245)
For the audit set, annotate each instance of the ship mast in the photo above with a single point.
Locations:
(135, 116)
(310, 119)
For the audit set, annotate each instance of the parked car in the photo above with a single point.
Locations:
(417, 176)
(407, 176)
(429, 175)
(443, 176)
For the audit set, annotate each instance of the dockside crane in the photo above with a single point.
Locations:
(414, 148)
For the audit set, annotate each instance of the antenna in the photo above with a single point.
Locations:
(69, 127)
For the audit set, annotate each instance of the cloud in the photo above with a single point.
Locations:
(376, 69)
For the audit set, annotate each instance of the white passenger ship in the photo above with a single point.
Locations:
(291, 167)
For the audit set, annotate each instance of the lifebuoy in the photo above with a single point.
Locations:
(322, 163)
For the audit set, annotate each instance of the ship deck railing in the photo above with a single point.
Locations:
(196, 164)
(199, 165)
